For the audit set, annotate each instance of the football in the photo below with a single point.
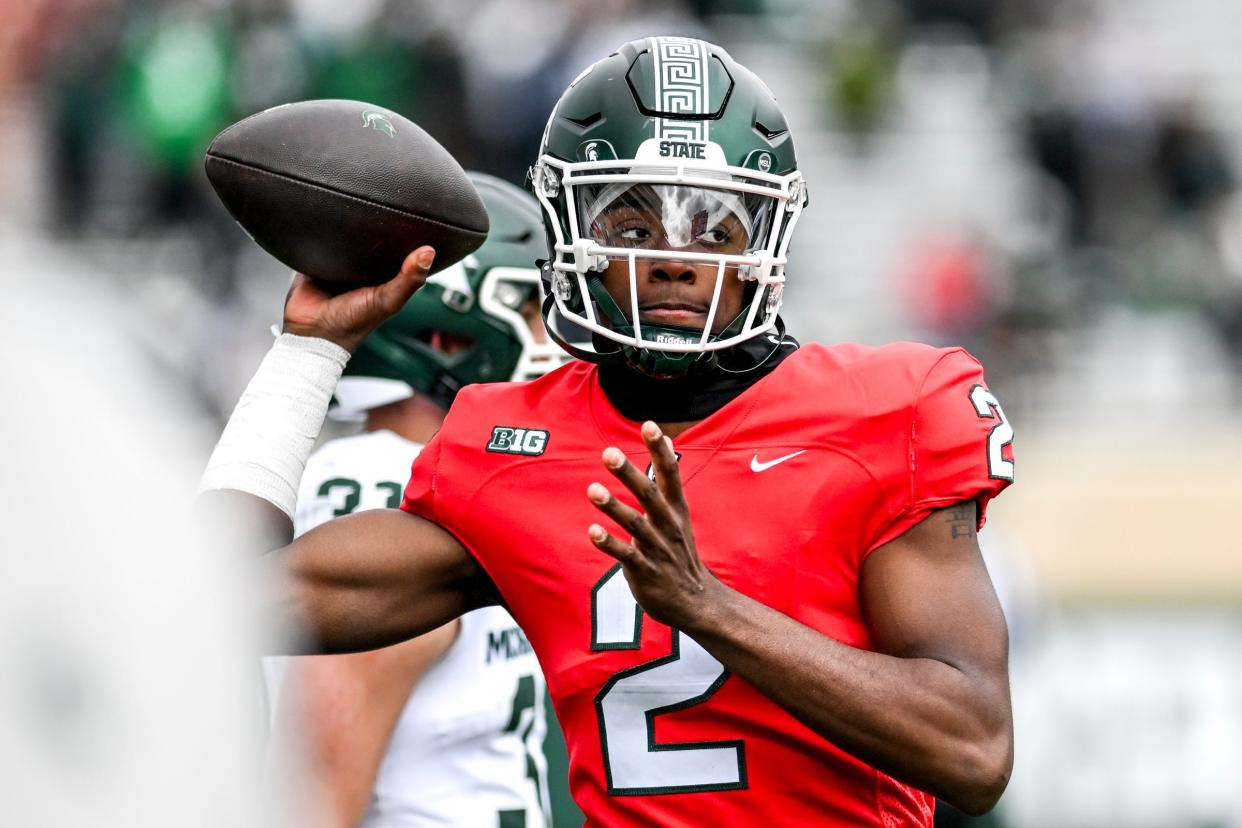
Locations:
(343, 191)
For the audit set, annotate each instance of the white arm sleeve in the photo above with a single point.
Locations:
(271, 432)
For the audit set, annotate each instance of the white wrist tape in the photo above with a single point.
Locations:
(264, 447)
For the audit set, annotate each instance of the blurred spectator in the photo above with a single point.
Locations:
(271, 64)
(510, 44)
(950, 289)
(860, 63)
(979, 17)
(175, 83)
(77, 93)
(1191, 165)
(521, 54)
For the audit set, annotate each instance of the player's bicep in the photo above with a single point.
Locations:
(375, 578)
(927, 594)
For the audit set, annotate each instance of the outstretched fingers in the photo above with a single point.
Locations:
(661, 500)
(664, 463)
(624, 552)
(644, 489)
(627, 517)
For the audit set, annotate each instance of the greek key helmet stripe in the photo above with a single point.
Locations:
(680, 65)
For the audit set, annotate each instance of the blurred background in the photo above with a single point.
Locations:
(1052, 183)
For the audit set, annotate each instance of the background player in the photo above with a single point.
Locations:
(819, 645)
(447, 728)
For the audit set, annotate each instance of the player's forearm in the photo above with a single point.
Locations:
(269, 436)
(932, 725)
(249, 489)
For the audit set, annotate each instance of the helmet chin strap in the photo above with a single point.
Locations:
(654, 363)
(640, 360)
(639, 396)
(599, 357)
(658, 363)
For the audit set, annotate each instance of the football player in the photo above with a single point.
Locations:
(446, 728)
(749, 569)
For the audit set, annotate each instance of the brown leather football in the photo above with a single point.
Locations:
(342, 191)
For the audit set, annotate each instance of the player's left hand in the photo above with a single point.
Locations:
(663, 568)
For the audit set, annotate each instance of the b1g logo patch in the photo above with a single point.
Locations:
(508, 440)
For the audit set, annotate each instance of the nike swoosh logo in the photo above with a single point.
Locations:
(756, 466)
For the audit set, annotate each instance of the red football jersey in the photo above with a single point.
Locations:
(836, 452)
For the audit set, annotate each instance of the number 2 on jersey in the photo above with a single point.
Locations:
(628, 704)
(1001, 435)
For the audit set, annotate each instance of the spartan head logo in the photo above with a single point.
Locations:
(596, 149)
(379, 122)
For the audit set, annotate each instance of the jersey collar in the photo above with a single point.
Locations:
(621, 399)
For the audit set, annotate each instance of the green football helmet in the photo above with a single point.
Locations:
(675, 128)
(477, 303)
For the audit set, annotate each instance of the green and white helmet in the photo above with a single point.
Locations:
(676, 127)
(477, 304)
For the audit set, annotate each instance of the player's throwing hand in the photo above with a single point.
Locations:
(662, 566)
(347, 318)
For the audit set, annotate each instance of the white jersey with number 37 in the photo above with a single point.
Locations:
(467, 748)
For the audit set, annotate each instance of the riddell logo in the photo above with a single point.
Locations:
(528, 441)
(682, 149)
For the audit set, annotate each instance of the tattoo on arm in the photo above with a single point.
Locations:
(961, 520)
